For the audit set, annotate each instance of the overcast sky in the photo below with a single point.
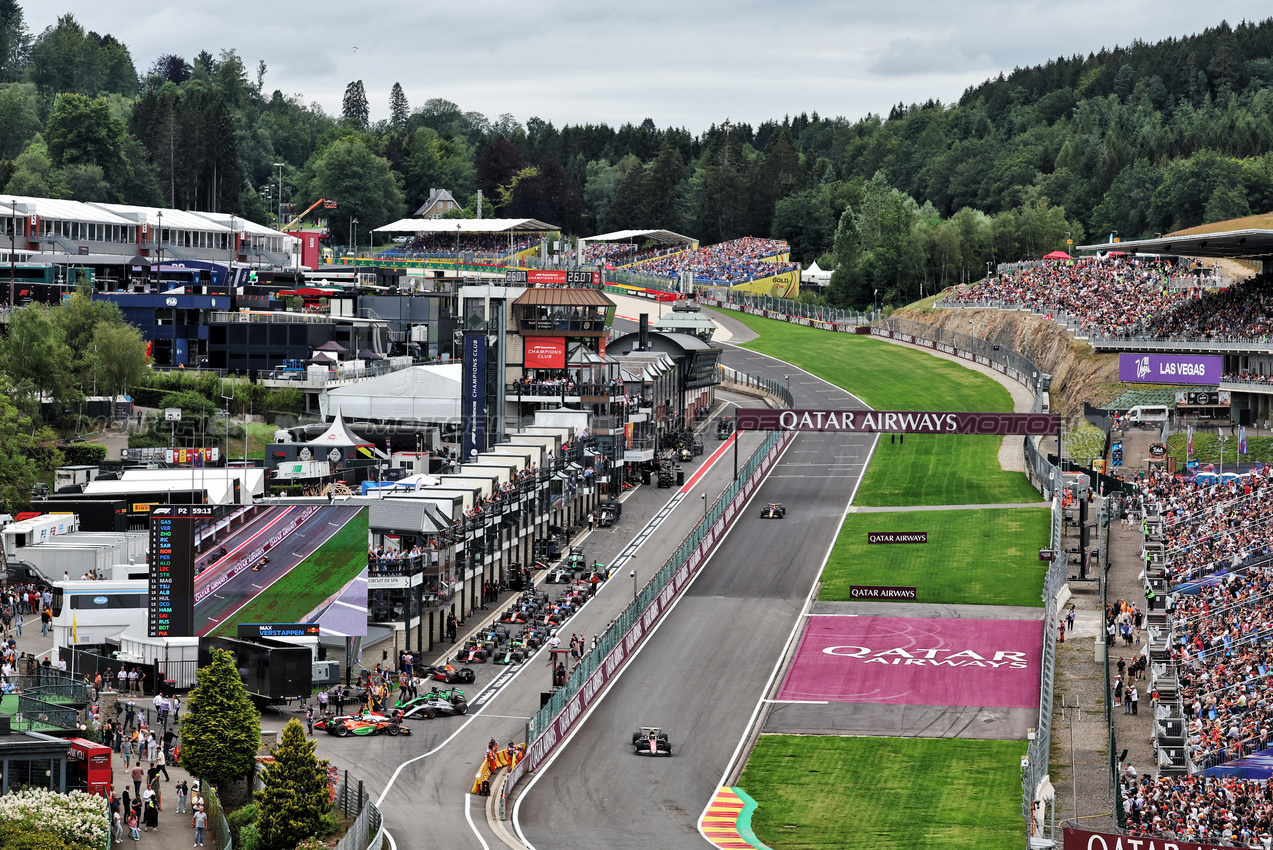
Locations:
(686, 64)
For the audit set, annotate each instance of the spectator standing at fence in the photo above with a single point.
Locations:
(200, 823)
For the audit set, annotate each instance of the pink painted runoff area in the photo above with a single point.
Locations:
(917, 661)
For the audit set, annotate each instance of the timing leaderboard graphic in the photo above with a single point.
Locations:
(214, 567)
(172, 569)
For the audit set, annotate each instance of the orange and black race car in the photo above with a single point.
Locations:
(450, 675)
(773, 510)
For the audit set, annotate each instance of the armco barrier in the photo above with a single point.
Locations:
(554, 721)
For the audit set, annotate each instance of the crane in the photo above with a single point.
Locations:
(330, 205)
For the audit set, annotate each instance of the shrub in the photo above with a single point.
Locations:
(240, 818)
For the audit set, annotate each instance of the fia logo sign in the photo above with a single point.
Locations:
(1142, 367)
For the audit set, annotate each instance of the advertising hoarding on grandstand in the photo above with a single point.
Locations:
(545, 352)
(1081, 839)
(1170, 368)
(899, 422)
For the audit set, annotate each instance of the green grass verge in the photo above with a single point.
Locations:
(887, 792)
(941, 469)
(259, 435)
(325, 571)
(983, 557)
(1206, 449)
(884, 375)
(924, 469)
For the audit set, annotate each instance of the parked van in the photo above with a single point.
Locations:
(1148, 415)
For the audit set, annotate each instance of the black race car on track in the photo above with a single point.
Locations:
(773, 510)
(651, 741)
(450, 675)
(432, 705)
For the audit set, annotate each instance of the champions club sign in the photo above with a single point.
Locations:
(899, 422)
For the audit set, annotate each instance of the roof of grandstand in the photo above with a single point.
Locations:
(1241, 244)
(466, 225)
(561, 296)
(665, 237)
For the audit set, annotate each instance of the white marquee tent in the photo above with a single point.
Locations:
(428, 394)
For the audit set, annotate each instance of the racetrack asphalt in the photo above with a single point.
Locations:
(427, 803)
(701, 674)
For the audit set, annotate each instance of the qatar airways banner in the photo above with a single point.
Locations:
(917, 661)
(899, 422)
(1170, 368)
(1081, 839)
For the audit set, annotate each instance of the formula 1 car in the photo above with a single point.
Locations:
(576, 560)
(363, 725)
(773, 510)
(651, 741)
(450, 675)
(431, 705)
(560, 575)
(609, 514)
(265, 559)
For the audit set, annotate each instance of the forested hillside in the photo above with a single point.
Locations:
(1138, 140)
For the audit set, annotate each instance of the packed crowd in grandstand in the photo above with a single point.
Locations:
(1130, 296)
(736, 261)
(1213, 810)
(1221, 653)
(617, 254)
(1107, 296)
(489, 245)
(1213, 528)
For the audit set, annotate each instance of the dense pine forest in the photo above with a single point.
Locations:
(1135, 140)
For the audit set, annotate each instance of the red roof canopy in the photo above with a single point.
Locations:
(1057, 255)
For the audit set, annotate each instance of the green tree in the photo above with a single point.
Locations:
(353, 108)
(82, 131)
(25, 451)
(33, 173)
(15, 41)
(399, 111)
(19, 120)
(64, 59)
(220, 729)
(121, 356)
(664, 190)
(294, 798)
(366, 188)
(34, 354)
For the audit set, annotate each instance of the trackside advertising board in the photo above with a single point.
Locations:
(898, 422)
(1170, 368)
(561, 725)
(1081, 839)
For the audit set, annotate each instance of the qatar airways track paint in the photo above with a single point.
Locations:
(918, 661)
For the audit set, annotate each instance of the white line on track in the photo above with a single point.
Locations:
(795, 630)
(393, 845)
(797, 701)
(468, 816)
(660, 515)
(579, 724)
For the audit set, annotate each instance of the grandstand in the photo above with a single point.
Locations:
(725, 264)
(480, 238)
(625, 247)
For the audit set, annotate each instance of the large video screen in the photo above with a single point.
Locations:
(283, 564)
